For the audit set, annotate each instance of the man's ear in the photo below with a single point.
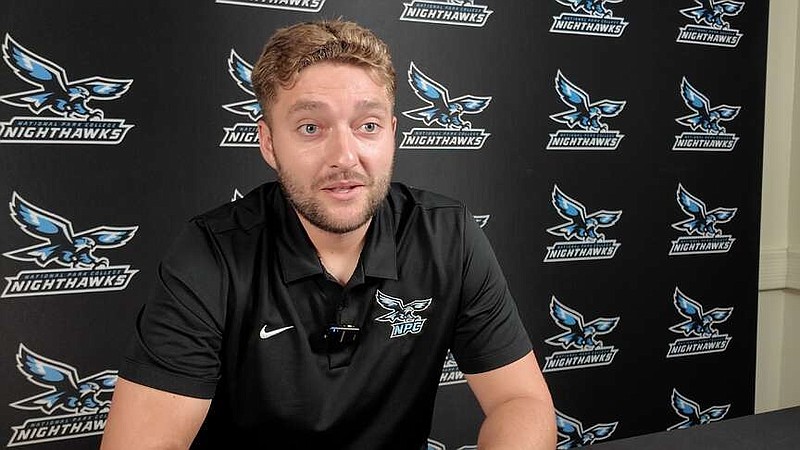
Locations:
(265, 143)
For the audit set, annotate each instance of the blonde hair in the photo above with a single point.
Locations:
(294, 48)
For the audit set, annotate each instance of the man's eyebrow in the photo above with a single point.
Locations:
(306, 105)
(373, 105)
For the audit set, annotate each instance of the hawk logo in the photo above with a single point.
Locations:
(589, 17)
(61, 246)
(589, 243)
(402, 317)
(75, 122)
(451, 374)
(710, 27)
(310, 6)
(690, 412)
(449, 12)
(701, 336)
(79, 399)
(574, 435)
(592, 134)
(579, 341)
(448, 129)
(707, 134)
(701, 227)
(242, 134)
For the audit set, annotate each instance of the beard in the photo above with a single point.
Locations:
(315, 212)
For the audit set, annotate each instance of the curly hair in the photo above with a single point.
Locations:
(293, 48)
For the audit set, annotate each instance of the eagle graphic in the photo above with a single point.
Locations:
(701, 222)
(700, 322)
(584, 113)
(399, 311)
(581, 226)
(574, 434)
(54, 91)
(690, 410)
(711, 12)
(241, 72)
(705, 117)
(579, 334)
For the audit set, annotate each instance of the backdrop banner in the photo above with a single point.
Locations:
(611, 151)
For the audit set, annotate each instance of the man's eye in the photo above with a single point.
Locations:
(309, 128)
(370, 127)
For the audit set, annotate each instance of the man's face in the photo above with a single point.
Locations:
(331, 141)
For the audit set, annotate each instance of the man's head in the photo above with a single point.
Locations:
(327, 93)
(296, 47)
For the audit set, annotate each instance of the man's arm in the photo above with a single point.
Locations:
(145, 418)
(517, 404)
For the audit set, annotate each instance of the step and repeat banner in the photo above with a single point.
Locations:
(610, 150)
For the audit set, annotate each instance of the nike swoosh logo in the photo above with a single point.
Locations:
(264, 334)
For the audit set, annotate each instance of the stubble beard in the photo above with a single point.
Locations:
(314, 211)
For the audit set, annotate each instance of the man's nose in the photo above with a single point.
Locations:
(342, 148)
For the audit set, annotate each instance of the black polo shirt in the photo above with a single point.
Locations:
(241, 304)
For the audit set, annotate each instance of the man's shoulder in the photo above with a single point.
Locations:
(243, 214)
(407, 198)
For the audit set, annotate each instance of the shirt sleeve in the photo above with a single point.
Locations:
(178, 335)
(489, 333)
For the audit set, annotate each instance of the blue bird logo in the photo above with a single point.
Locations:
(65, 389)
(712, 12)
(55, 92)
(582, 226)
(690, 411)
(575, 436)
(701, 222)
(699, 323)
(584, 113)
(241, 73)
(593, 7)
(61, 245)
(579, 334)
(441, 109)
(704, 117)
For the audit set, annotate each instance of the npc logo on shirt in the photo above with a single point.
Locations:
(82, 269)
(709, 26)
(703, 236)
(700, 334)
(445, 118)
(705, 122)
(63, 112)
(580, 342)
(584, 241)
(590, 18)
(310, 6)
(402, 316)
(242, 134)
(72, 406)
(585, 119)
(575, 435)
(692, 415)
(448, 12)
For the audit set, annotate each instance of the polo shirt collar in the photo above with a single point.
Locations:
(298, 257)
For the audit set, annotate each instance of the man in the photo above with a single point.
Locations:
(317, 312)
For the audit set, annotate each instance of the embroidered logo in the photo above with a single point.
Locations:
(402, 317)
(75, 122)
(80, 399)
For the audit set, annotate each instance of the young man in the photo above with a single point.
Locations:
(317, 311)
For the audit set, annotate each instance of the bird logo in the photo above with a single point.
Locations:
(66, 391)
(581, 226)
(441, 109)
(699, 323)
(592, 7)
(241, 72)
(574, 435)
(712, 12)
(402, 316)
(690, 411)
(705, 117)
(584, 114)
(579, 334)
(61, 245)
(701, 222)
(54, 91)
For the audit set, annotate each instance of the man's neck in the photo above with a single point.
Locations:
(338, 252)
